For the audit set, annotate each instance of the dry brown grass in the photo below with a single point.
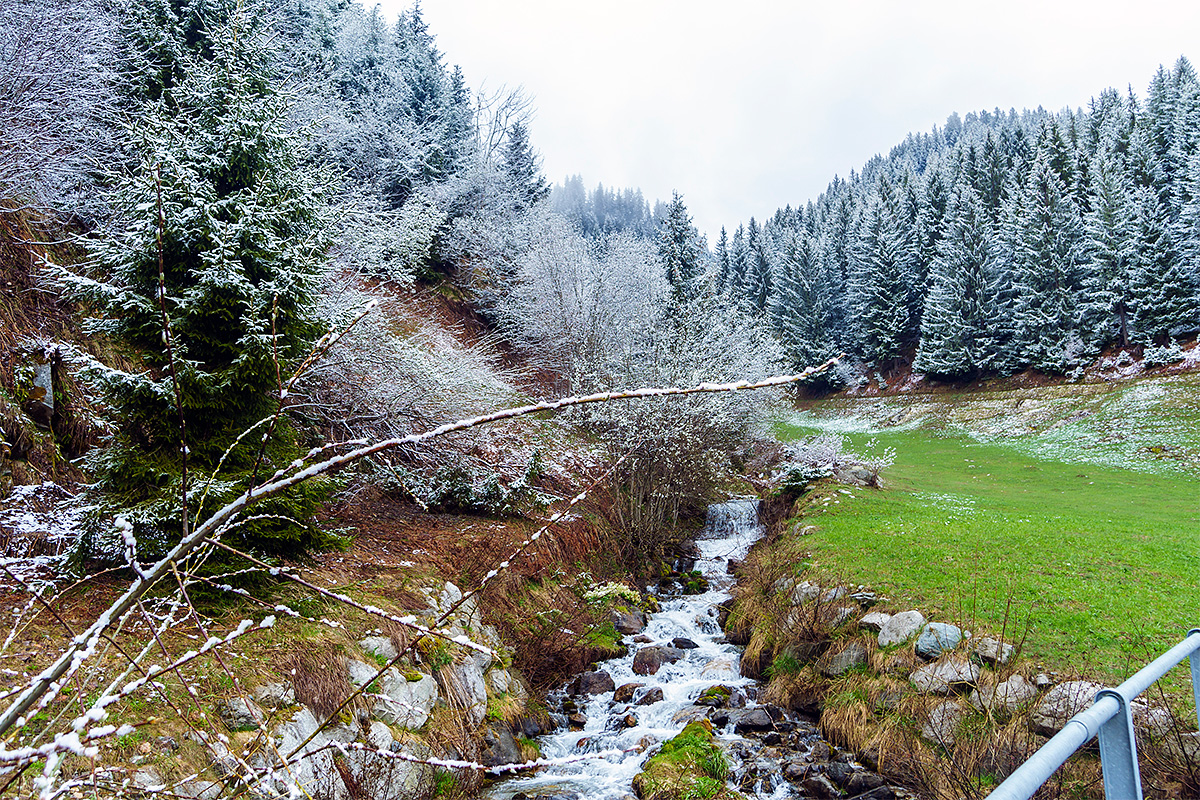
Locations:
(318, 674)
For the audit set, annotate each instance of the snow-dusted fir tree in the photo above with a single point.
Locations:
(1046, 235)
(1162, 284)
(522, 168)
(883, 280)
(755, 288)
(958, 336)
(1109, 225)
(220, 211)
(680, 249)
(803, 302)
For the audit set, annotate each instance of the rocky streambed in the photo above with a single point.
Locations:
(681, 668)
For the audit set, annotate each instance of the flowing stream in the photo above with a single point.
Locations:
(729, 531)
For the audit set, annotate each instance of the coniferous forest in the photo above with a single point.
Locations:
(999, 242)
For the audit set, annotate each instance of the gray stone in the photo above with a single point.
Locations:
(148, 779)
(937, 638)
(1185, 748)
(1153, 720)
(649, 697)
(650, 660)
(405, 702)
(875, 620)
(275, 694)
(462, 684)
(589, 683)
(901, 627)
(942, 725)
(624, 693)
(836, 593)
(628, 622)
(851, 656)
(993, 651)
(240, 714)
(381, 646)
(199, 790)
(500, 681)
(689, 714)
(1042, 681)
(804, 592)
(683, 644)
(944, 677)
(499, 746)
(837, 616)
(1060, 704)
(1006, 697)
(819, 786)
(360, 673)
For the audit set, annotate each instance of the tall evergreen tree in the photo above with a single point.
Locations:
(222, 210)
(522, 168)
(1162, 285)
(680, 249)
(1048, 269)
(958, 334)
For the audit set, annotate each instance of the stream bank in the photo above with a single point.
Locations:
(681, 668)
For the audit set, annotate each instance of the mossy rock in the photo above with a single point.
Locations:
(689, 766)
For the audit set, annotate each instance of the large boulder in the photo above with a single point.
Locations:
(461, 682)
(1005, 697)
(240, 714)
(1060, 704)
(875, 620)
(901, 627)
(628, 622)
(407, 699)
(499, 746)
(937, 638)
(625, 692)
(650, 660)
(851, 656)
(597, 682)
(944, 677)
(992, 651)
(942, 726)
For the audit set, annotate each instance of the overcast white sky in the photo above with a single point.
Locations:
(744, 107)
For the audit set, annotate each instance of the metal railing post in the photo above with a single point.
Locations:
(1195, 659)
(1118, 751)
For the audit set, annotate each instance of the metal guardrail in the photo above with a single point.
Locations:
(1110, 717)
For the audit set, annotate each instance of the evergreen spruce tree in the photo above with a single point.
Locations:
(680, 250)
(221, 202)
(522, 169)
(882, 282)
(1110, 248)
(1048, 274)
(957, 333)
(802, 302)
(756, 281)
(1162, 284)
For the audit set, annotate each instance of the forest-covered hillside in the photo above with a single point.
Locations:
(999, 242)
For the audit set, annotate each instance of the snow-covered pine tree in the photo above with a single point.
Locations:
(680, 249)
(958, 337)
(1109, 226)
(883, 279)
(1162, 284)
(802, 304)
(222, 206)
(522, 168)
(756, 280)
(1046, 235)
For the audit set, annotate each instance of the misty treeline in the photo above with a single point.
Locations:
(998, 242)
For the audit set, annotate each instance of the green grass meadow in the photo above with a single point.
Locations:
(1102, 562)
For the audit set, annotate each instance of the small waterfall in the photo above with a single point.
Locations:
(730, 529)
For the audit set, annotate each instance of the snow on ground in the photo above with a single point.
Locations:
(38, 524)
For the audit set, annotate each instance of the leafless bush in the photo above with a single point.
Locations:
(55, 98)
